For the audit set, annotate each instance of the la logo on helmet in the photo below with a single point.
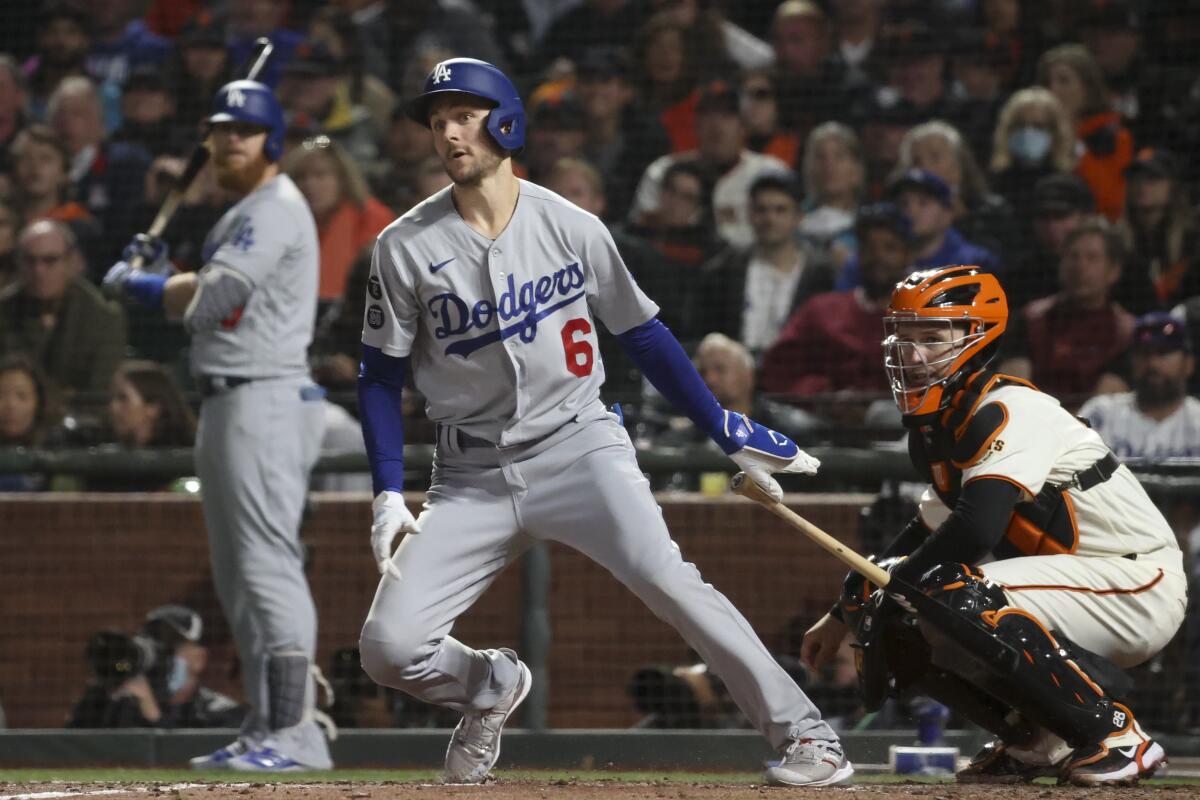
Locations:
(235, 98)
(441, 73)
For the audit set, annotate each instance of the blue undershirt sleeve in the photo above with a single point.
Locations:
(666, 365)
(380, 384)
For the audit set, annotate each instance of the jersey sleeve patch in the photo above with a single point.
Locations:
(981, 436)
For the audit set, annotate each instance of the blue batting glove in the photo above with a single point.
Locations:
(123, 282)
(759, 451)
(152, 250)
(114, 280)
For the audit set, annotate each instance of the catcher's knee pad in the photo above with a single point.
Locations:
(287, 688)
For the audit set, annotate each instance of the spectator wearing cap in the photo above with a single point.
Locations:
(200, 67)
(315, 95)
(1060, 203)
(765, 132)
(56, 316)
(722, 157)
(1157, 419)
(1069, 342)
(982, 67)
(1018, 28)
(247, 22)
(748, 293)
(348, 216)
(666, 249)
(980, 215)
(63, 40)
(928, 203)
(148, 115)
(856, 30)
(1074, 77)
(835, 178)
(121, 41)
(333, 28)
(1161, 234)
(812, 85)
(620, 141)
(557, 129)
(831, 342)
(1034, 138)
(883, 121)
(592, 23)
(1111, 30)
(914, 60)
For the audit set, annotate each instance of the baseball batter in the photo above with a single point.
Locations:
(250, 312)
(1088, 572)
(490, 293)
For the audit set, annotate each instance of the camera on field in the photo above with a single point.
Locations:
(115, 656)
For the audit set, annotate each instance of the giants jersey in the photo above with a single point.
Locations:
(500, 333)
(269, 238)
(1023, 436)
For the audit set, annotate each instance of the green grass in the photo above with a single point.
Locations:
(170, 776)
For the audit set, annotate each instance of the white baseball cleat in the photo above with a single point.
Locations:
(219, 759)
(475, 746)
(267, 759)
(811, 762)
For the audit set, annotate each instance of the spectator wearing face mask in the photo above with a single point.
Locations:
(1033, 139)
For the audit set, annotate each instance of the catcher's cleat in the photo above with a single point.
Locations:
(809, 762)
(475, 746)
(994, 764)
(1122, 759)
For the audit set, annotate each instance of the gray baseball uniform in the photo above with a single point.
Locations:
(502, 341)
(260, 431)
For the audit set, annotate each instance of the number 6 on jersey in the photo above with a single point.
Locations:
(579, 351)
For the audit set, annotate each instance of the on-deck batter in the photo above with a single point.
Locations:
(250, 311)
(490, 292)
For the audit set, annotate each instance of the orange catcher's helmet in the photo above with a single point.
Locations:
(943, 325)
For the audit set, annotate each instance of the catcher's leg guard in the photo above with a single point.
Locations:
(1046, 683)
(287, 688)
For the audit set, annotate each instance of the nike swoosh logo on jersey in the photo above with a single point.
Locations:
(464, 347)
(433, 268)
(1127, 751)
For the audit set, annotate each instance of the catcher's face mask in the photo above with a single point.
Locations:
(922, 354)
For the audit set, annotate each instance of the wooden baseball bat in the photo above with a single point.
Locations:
(263, 48)
(743, 485)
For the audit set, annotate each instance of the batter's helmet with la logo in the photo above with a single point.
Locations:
(471, 76)
(251, 101)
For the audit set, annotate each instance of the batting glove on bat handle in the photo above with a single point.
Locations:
(390, 516)
(765, 451)
(148, 253)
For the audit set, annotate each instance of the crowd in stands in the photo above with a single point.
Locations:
(769, 170)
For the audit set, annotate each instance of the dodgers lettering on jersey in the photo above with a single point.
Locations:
(501, 334)
(269, 238)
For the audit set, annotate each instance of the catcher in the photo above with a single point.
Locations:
(1087, 577)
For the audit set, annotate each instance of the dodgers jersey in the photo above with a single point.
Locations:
(1041, 442)
(269, 238)
(500, 333)
(1132, 434)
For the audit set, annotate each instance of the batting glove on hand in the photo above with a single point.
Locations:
(759, 451)
(116, 277)
(153, 252)
(391, 516)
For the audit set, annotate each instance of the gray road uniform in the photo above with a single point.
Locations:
(502, 341)
(260, 430)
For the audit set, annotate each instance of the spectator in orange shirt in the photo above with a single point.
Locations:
(348, 217)
(1071, 73)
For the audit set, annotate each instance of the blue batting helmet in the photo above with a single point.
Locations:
(506, 123)
(251, 101)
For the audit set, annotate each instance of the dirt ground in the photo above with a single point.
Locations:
(562, 790)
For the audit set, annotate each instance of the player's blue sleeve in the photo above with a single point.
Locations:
(663, 361)
(380, 383)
